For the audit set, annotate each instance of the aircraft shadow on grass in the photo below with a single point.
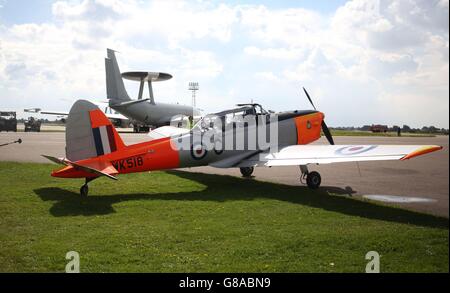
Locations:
(222, 188)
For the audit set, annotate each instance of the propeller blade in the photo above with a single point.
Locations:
(309, 98)
(325, 129)
(327, 133)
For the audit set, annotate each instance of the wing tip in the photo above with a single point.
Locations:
(421, 151)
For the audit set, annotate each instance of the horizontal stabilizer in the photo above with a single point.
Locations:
(56, 160)
(100, 168)
(106, 170)
(127, 103)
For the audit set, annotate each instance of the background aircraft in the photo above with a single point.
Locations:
(144, 111)
(117, 119)
(95, 149)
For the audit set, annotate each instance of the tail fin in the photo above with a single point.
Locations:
(115, 89)
(89, 133)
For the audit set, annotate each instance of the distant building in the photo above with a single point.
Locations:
(379, 128)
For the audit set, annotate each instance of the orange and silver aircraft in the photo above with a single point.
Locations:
(244, 137)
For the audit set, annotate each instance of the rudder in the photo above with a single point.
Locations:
(89, 133)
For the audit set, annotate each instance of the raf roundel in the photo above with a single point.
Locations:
(198, 151)
(354, 150)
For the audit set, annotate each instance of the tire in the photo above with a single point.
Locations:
(84, 190)
(246, 171)
(313, 180)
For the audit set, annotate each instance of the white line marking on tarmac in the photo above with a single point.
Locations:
(398, 199)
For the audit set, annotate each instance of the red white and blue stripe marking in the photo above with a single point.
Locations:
(104, 140)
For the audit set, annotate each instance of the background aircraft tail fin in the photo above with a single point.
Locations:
(115, 88)
(89, 133)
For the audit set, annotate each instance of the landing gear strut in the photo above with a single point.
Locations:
(246, 171)
(84, 190)
(313, 178)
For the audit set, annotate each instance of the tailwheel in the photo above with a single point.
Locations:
(84, 190)
(313, 180)
(246, 171)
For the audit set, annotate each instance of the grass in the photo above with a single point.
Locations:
(187, 222)
(336, 132)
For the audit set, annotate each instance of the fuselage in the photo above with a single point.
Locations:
(294, 127)
(157, 114)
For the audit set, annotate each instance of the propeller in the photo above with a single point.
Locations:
(325, 129)
(327, 133)
(309, 98)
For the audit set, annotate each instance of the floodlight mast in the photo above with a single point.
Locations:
(193, 87)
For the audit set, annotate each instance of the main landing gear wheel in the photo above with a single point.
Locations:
(313, 180)
(84, 190)
(246, 171)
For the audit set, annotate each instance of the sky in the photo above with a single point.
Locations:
(362, 61)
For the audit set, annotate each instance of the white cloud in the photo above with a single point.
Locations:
(381, 25)
(275, 53)
(178, 21)
(96, 11)
(65, 59)
(267, 75)
(293, 25)
(394, 51)
(362, 56)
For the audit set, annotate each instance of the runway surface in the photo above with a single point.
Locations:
(422, 177)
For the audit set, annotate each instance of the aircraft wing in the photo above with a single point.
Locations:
(325, 154)
(54, 113)
(116, 116)
(109, 115)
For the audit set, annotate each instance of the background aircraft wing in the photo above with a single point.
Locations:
(109, 115)
(54, 113)
(325, 154)
(166, 131)
(116, 116)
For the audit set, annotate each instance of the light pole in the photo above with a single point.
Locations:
(193, 86)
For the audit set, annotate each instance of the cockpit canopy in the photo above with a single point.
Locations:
(229, 116)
